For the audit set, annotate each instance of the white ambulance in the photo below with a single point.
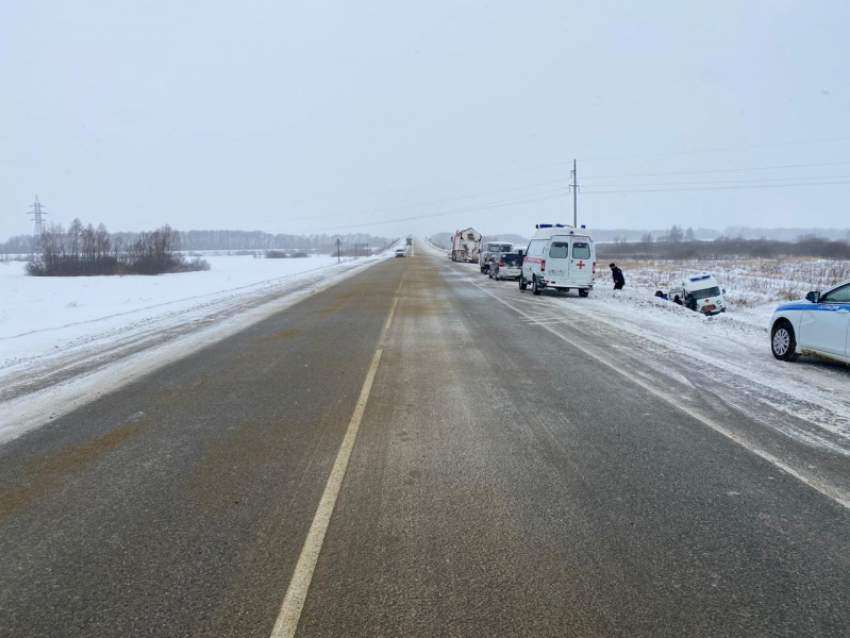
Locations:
(560, 257)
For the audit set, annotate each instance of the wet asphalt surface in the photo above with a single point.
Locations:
(504, 483)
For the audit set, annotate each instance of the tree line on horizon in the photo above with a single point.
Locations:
(228, 240)
(677, 233)
(85, 251)
(682, 247)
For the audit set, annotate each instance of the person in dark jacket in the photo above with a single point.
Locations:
(619, 280)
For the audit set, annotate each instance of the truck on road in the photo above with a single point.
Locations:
(466, 245)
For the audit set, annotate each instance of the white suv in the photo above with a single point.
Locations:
(818, 324)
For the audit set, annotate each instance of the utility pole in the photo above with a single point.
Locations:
(337, 250)
(575, 194)
(38, 212)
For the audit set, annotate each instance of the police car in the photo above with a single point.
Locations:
(818, 324)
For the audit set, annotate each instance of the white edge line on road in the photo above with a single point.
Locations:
(767, 456)
(290, 611)
(296, 594)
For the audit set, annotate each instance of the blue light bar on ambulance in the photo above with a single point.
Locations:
(701, 277)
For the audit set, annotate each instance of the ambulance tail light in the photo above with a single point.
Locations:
(542, 265)
(501, 264)
(594, 267)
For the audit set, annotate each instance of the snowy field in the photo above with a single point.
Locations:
(53, 313)
(63, 339)
(753, 287)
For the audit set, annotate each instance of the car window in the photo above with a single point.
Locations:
(504, 248)
(839, 295)
(581, 250)
(559, 249)
(703, 293)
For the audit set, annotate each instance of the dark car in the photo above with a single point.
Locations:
(506, 266)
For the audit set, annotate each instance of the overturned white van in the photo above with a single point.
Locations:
(701, 293)
(560, 257)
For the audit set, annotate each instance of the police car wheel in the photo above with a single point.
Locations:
(783, 343)
(535, 289)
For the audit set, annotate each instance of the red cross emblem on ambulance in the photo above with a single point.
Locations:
(581, 265)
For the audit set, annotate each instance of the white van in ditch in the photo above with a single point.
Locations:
(559, 257)
(701, 293)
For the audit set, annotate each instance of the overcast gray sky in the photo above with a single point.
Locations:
(330, 116)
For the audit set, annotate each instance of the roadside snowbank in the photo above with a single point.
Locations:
(732, 348)
(64, 341)
(48, 314)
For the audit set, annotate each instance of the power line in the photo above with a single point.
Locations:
(719, 150)
(564, 163)
(416, 205)
(715, 188)
(525, 199)
(449, 213)
(720, 181)
(718, 170)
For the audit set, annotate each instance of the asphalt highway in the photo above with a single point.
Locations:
(501, 480)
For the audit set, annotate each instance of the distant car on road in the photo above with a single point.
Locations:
(506, 266)
(401, 252)
(818, 324)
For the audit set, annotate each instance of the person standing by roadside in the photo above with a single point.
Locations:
(619, 280)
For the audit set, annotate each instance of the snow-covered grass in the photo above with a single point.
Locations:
(748, 282)
(47, 313)
(65, 340)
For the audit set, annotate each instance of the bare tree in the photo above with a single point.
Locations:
(88, 251)
(675, 234)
